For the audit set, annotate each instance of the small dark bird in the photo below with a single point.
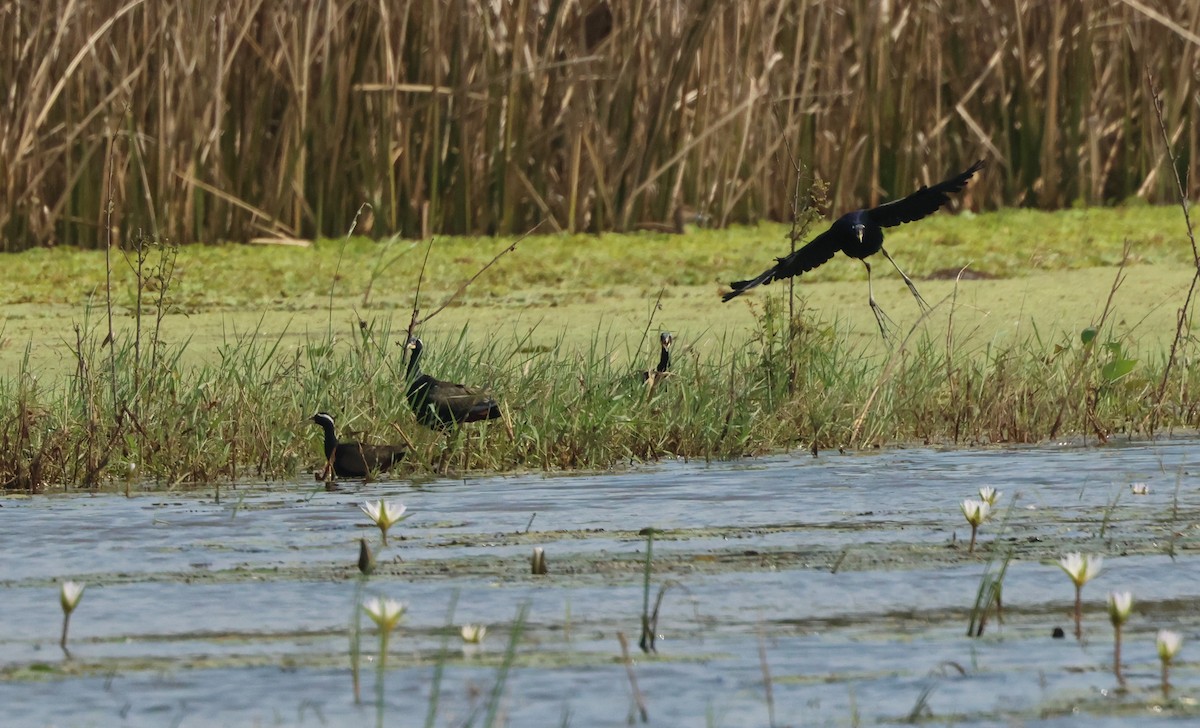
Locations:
(664, 359)
(439, 404)
(859, 234)
(354, 459)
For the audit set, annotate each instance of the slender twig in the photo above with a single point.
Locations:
(111, 341)
(1181, 322)
(416, 307)
(768, 685)
(471, 280)
(439, 668)
(1068, 403)
(337, 268)
(637, 355)
(638, 699)
(647, 640)
(797, 233)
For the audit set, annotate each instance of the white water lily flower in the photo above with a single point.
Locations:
(1081, 569)
(989, 495)
(1120, 604)
(385, 613)
(1139, 489)
(69, 595)
(473, 633)
(976, 511)
(1168, 644)
(385, 514)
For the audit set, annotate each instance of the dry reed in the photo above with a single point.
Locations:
(249, 118)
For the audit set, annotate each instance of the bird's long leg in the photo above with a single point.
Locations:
(907, 281)
(881, 318)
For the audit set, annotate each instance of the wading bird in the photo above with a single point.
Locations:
(652, 376)
(439, 404)
(859, 234)
(354, 459)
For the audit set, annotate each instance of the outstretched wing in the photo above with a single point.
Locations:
(817, 251)
(924, 201)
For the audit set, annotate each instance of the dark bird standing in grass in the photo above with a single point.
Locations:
(439, 404)
(859, 234)
(354, 459)
(664, 360)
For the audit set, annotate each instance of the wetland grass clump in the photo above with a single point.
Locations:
(131, 404)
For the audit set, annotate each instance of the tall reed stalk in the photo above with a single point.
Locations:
(258, 120)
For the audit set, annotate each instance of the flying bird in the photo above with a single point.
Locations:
(859, 234)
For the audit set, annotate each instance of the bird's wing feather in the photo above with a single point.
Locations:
(817, 251)
(450, 390)
(924, 201)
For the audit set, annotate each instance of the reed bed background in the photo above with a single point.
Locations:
(250, 118)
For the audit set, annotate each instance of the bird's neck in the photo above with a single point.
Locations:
(413, 369)
(664, 360)
(331, 441)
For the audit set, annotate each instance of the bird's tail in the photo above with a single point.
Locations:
(740, 287)
(488, 409)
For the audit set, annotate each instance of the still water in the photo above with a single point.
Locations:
(846, 578)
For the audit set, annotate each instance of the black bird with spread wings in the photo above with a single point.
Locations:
(859, 234)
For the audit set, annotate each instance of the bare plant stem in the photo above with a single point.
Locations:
(1166, 682)
(67, 623)
(1117, 655)
(384, 634)
(647, 640)
(480, 272)
(1079, 611)
(974, 530)
(768, 685)
(112, 344)
(638, 698)
(1183, 317)
(356, 638)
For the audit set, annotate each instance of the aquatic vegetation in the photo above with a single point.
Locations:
(989, 495)
(976, 512)
(473, 634)
(537, 563)
(1120, 605)
(385, 514)
(146, 400)
(1139, 489)
(386, 614)
(69, 594)
(1081, 569)
(1168, 644)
